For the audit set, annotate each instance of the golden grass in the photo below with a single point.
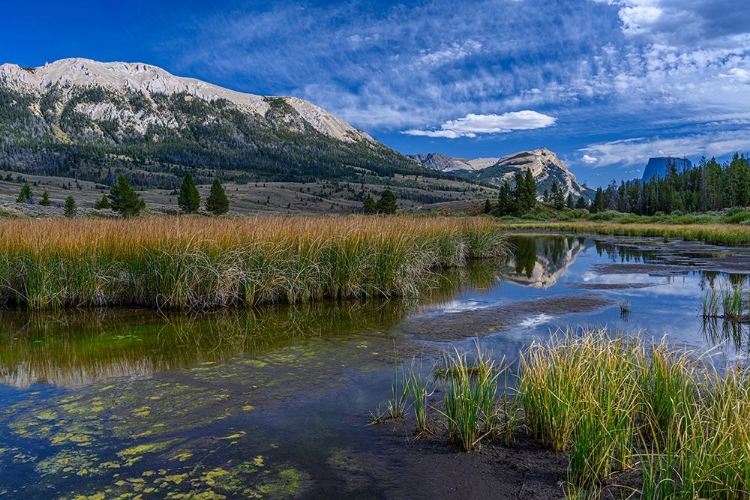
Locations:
(184, 262)
(718, 234)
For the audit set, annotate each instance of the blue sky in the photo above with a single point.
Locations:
(603, 83)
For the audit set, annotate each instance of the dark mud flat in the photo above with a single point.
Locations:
(473, 323)
(428, 467)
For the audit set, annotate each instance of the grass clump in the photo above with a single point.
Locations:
(616, 404)
(190, 263)
(470, 390)
(727, 302)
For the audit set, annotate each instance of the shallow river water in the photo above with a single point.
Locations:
(274, 403)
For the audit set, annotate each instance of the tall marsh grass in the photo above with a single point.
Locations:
(615, 403)
(199, 263)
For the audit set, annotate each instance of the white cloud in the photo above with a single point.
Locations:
(740, 74)
(639, 19)
(588, 160)
(473, 125)
(450, 54)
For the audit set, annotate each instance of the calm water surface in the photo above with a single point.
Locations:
(274, 403)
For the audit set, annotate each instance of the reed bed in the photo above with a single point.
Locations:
(184, 263)
(615, 404)
(716, 234)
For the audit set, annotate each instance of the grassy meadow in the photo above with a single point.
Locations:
(193, 263)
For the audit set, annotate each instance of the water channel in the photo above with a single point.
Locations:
(274, 403)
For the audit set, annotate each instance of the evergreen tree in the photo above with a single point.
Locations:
(69, 209)
(530, 191)
(387, 203)
(487, 206)
(124, 199)
(189, 199)
(103, 203)
(581, 203)
(569, 201)
(598, 204)
(45, 199)
(217, 202)
(24, 196)
(505, 202)
(369, 205)
(557, 196)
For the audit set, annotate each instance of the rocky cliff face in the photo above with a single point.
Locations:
(657, 167)
(545, 166)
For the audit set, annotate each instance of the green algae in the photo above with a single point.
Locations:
(70, 462)
(144, 448)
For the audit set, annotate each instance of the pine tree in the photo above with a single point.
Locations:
(557, 196)
(45, 199)
(569, 201)
(368, 205)
(505, 204)
(103, 203)
(487, 206)
(24, 196)
(189, 199)
(530, 190)
(124, 199)
(582, 203)
(598, 204)
(217, 202)
(69, 209)
(387, 203)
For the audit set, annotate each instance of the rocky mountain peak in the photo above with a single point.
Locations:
(545, 166)
(76, 73)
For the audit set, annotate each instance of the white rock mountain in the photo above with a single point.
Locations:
(72, 74)
(545, 166)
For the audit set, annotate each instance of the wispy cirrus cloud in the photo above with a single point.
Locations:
(604, 70)
(473, 125)
(638, 150)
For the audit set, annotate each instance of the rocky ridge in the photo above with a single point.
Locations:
(545, 166)
(71, 74)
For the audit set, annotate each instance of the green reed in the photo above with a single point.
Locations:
(613, 403)
(470, 391)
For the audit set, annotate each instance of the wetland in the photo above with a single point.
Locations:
(275, 400)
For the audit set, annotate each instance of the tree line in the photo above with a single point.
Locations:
(709, 186)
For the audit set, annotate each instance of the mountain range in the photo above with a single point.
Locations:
(93, 120)
(545, 166)
(87, 115)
